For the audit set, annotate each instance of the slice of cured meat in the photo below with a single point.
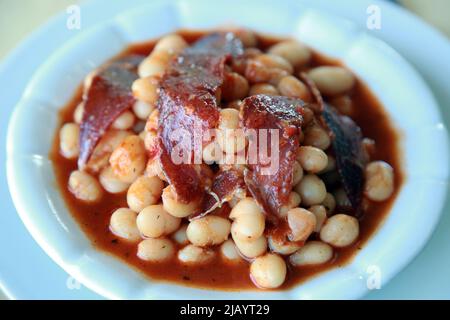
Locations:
(188, 107)
(108, 96)
(346, 137)
(270, 182)
(225, 185)
(350, 157)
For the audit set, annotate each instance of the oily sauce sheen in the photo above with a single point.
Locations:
(94, 218)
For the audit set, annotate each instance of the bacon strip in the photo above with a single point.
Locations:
(285, 115)
(188, 107)
(108, 96)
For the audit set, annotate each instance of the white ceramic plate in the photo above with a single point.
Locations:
(397, 85)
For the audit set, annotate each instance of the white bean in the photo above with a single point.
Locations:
(302, 223)
(231, 141)
(245, 206)
(128, 160)
(275, 61)
(144, 191)
(283, 247)
(180, 235)
(293, 51)
(312, 253)
(123, 224)
(193, 255)
(321, 215)
(175, 207)
(230, 138)
(332, 80)
(156, 250)
(297, 173)
(317, 137)
(290, 86)
(258, 72)
(172, 224)
(172, 43)
(249, 220)
(124, 121)
(311, 189)
(268, 271)
(229, 251)
(248, 226)
(154, 65)
(234, 87)
(146, 90)
(208, 231)
(78, 113)
(142, 109)
(68, 140)
(166, 48)
(229, 119)
(312, 159)
(340, 230)
(344, 104)
(379, 184)
(263, 88)
(84, 186)
(251, 248)
(154, 222)
(110, 182)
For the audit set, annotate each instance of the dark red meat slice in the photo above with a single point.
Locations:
(349, 153)
(188, 107)
(108, 96)
(225, 185)
(347, 145)
(284, 115)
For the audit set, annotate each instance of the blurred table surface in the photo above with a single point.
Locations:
(19, 18)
